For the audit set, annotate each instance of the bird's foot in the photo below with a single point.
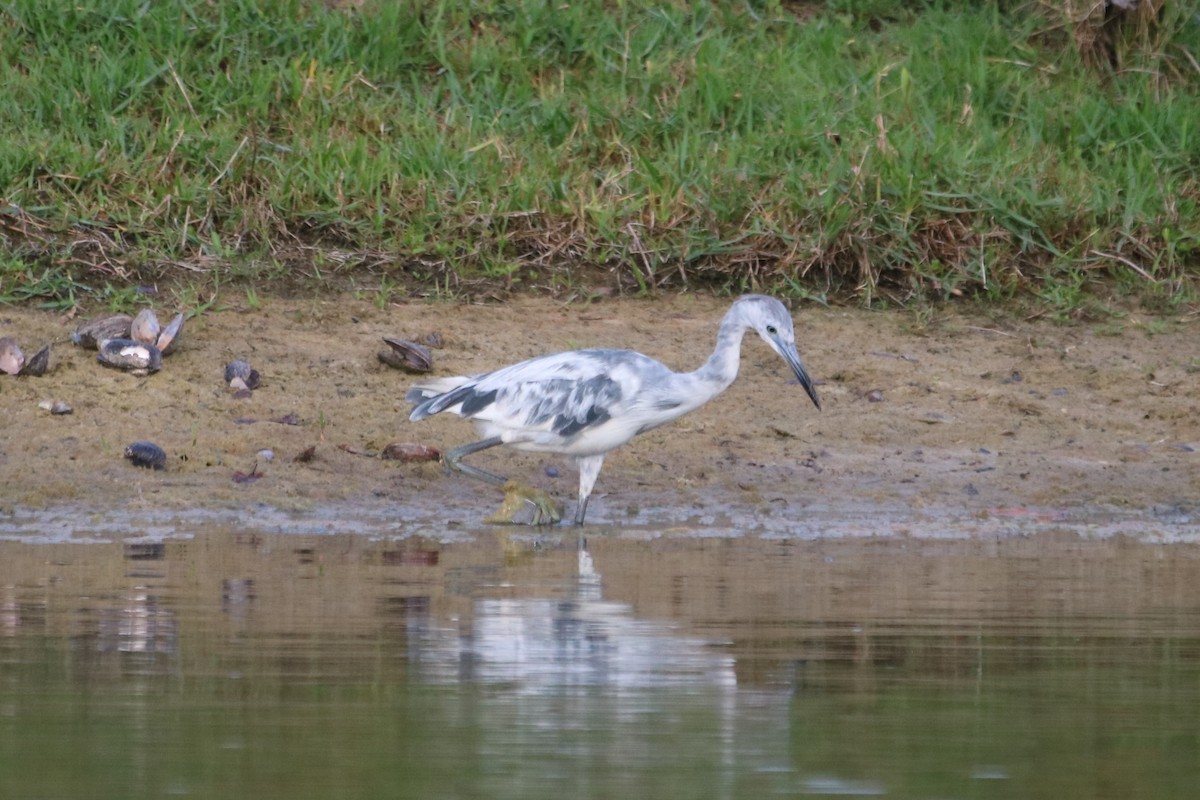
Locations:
(524, 505)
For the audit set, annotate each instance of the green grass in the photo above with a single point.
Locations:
(880, 150)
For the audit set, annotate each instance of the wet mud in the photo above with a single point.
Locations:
(959, 426)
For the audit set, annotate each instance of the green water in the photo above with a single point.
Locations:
(235, 665)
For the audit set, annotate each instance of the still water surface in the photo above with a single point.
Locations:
(487, 665)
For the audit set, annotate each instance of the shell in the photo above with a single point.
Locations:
(247, 477)
(12, 360)
(409, 452)
(237, 369)
(39, 364)
(242, 371)
(406, 355)
(138, 358)
(145, 327)
(168, 337)
(89, 334)
(146, 454)
(56, 407)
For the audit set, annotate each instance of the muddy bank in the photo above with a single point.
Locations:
(963, 426)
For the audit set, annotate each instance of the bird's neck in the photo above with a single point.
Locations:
(722, 366)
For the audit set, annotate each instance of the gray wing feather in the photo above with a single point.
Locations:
(563, 393)
(568, 406)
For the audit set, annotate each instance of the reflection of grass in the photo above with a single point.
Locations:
(882, 149)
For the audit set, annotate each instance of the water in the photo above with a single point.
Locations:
(495, 665)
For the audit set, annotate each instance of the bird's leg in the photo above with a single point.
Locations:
(589, 470)
(453, 460)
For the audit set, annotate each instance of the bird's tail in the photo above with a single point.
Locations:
(420, 394)
(424, 391)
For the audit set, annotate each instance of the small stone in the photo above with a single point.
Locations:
(39, 364)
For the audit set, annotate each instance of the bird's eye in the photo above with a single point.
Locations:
(771, 330)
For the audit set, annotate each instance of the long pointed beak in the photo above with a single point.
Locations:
(793, 359)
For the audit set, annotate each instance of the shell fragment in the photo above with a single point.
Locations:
(91, 333)
(168, 337)
(12, 360)
(241, 376)
(127, 354)
(406, 355)
(145, 327)
(146, 454)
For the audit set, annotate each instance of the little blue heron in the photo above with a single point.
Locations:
(583, 403)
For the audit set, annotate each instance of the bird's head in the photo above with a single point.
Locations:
(771, 320)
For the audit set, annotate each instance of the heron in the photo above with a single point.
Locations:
(585, 403)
